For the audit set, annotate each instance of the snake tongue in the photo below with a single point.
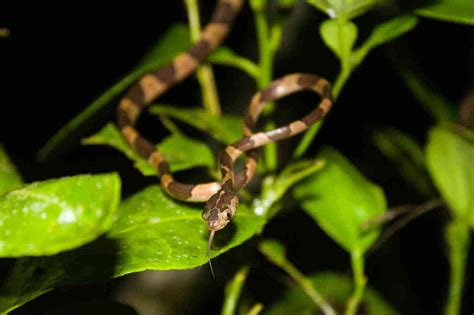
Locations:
(208, 254)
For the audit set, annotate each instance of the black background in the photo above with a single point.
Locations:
(60, 57)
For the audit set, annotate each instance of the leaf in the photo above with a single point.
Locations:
(45, 218)
(9, 176)
(226, 56)
(274, 251)
(457, 11)
(345, 9)
(340, 199)
(339, 36)
(450, 156)
(384, 33)
(407, 154)
(226, 129)
(333, 287)
(180, 152)
(152, 231)
(184, 153)
(172, 43)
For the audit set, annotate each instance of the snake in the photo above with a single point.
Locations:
(220, 197)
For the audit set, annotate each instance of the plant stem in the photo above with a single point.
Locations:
(458, 241)
(268, 43)
(256, 309)
(308, 288)
(357, 263)
(232, 291)
(204, 73)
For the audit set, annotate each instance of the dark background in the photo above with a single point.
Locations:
(60, 57)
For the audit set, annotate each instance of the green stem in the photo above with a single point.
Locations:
(308, 288)
(357, 263)
(204, 73)
(343, 76)
(458, 242)
(256, 309)
(232, 291)
(268, 42)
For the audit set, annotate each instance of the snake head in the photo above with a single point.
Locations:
(220, 209)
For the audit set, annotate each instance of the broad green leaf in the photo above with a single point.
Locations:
(335, 288)
(339, 36)
(48, 217)
(340, 199)
(9, 176)
(184, 153)
(407, 154)
(450, 156)
(345, 9)
(173, 42)
(226, 56)
(152, 231)
(384, 33)
(458, 11)
(226, 129)
(180, 152)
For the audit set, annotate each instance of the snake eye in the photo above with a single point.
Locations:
(229, 216)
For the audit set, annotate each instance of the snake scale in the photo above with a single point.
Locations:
(220, 197)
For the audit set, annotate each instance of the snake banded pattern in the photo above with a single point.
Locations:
(220, 197)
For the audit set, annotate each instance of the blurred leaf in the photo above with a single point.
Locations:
(345, 9)
(340, 199)
(180, 152)
(287, 4)
(333, 287)
(226, 129)
(171, 43)
(152, 231)
(439, 107)
(226, 56)
(407, 154)
(339, 36)
(457, 11)
(48, 217)
(384, 33)
(274, 251)
(9, 176)
(450, 156)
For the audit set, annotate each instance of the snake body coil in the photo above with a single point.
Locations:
(220, 197)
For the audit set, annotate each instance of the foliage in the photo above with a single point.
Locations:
(77, 230)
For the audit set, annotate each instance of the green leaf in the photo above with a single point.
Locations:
(172, 43)
(345, 9)
(333, 287)
(226, 129)
(384, 33)
(339, 36)
(226, 56)
(48, 217)
(340, 199)
(180, 152)
(274, 251)
(183, 153)
(457, 11)
(152, 231)
(9, 176)
(407, 154)
(450, 156)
